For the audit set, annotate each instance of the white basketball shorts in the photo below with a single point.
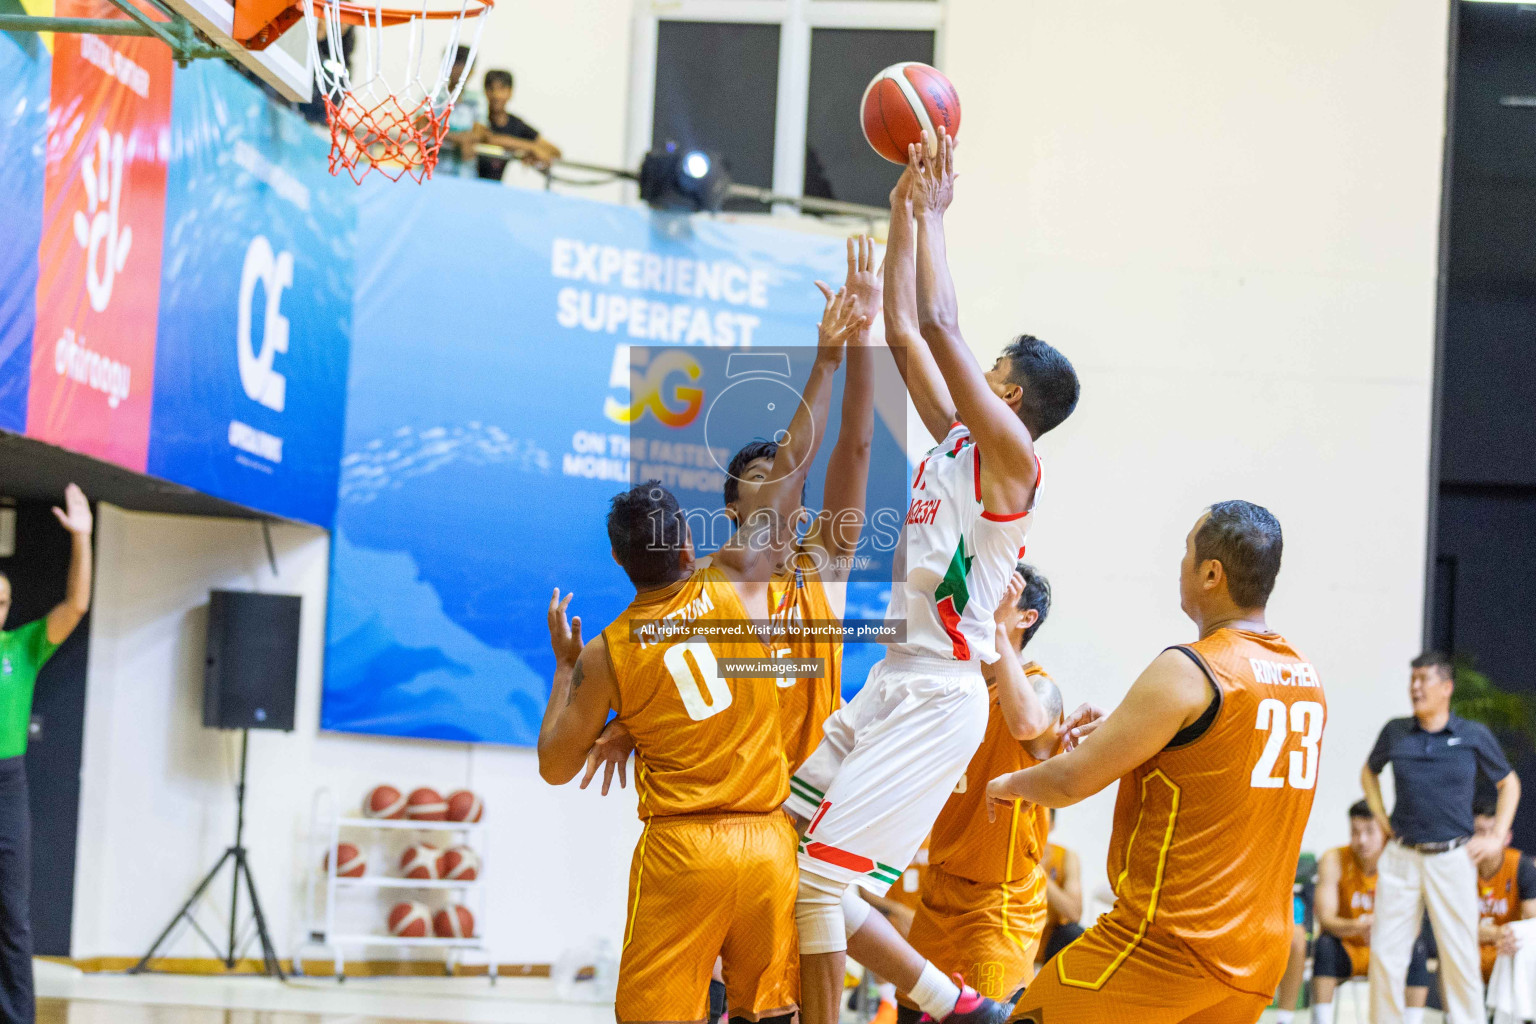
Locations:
(889, 759)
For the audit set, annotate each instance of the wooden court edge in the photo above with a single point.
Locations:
(312, 968)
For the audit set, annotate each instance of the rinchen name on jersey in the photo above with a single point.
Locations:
(1284, 673)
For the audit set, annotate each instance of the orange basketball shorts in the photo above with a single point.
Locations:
(707, 886)
(1109, 977)
(987, 932)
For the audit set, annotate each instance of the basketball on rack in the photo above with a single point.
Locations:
(904, 100)
(456, 922)
(410, 920)
(459, 864)
(426, 804)
(464, 806)
(350, 862)
(384, 802)
(419, 861)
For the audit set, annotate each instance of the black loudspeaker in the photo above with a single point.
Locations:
(252, 670)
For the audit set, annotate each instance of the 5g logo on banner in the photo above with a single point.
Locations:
(274, 271)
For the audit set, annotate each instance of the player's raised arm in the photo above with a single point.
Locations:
(1024, 712)
(836, 531)
(583, 692)
(930, 395)
(758, 545)
(1009, 471)
(1170, 694)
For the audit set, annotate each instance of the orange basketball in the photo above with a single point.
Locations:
(426, 804)
(459, 864)
(350, 862)
(464, 805)
(419, 861)
(454, 923)
(410, 920)
(901, 102)
(384, 802)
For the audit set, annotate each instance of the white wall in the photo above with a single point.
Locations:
(1226, 214)
(157, 794)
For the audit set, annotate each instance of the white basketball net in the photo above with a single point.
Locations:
(392, 123)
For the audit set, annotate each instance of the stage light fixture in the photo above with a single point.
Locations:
(673, 179)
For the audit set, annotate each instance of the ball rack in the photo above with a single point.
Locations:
(328, 829)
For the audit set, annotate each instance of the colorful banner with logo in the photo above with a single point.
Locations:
(487, 429)
(25, 68)
(255, 303)
(93, 352)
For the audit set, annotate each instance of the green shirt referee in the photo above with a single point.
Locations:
(23, 651)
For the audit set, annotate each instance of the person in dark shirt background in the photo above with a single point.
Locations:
(509, 131)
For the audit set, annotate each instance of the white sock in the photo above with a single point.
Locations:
(1285, 1016)
(1322, 1013)
(934, 993)
(1413, 1015)
(887, 992)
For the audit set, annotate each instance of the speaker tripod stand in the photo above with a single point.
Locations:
(237, 855)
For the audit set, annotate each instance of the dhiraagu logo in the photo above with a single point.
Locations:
(658, 380)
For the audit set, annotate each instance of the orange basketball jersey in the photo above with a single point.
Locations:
(1207, 832)
(964, 842)
(702, 743)
(1054, 864)
(798, 595)
(1499, 897)
(1357, 891)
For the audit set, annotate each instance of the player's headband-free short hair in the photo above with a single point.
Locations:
(1436, 660)
(1361, 809)
(1049, 383)
(1037, 595)
(647, 530)
(1245, 538)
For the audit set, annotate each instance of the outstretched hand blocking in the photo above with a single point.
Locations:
(75, 516)
(841, 322)
(931, 181)
(865, 281)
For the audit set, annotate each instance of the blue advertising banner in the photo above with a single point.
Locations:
(255, 303)
(25, 73)
(490, 404)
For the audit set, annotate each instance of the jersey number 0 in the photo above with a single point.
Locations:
(696, 672)
(1304, 717)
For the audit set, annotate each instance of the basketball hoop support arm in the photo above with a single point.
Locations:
(177, 33)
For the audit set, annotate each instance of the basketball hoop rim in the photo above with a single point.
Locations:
(388, 17)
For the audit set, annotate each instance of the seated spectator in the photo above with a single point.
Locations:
(1344, 904)
(1506, 890)
(465, 122)
(510, 132)
(1063, 899)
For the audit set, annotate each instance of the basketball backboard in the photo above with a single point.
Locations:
(284, 65)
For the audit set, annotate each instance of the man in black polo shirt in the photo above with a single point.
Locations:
(1432, 859)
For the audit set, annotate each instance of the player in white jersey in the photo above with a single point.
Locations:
(891, 757)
